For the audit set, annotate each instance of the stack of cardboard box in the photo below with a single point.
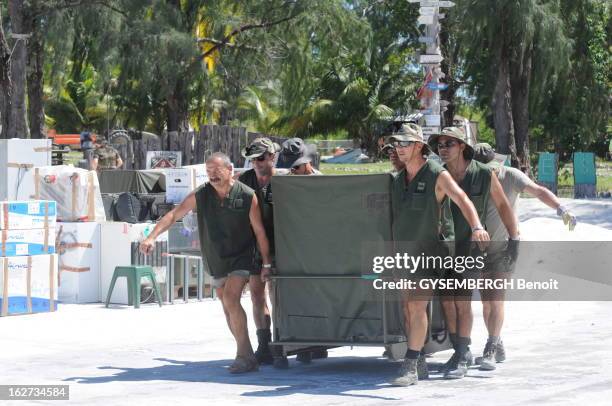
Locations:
(28, 263)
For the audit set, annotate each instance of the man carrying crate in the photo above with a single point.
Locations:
(229, 224)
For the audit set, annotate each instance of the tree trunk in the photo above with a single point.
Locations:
(5, 82)
(177, 113)
(501, 106)
(450, 51)
(36, 114)
(520, 79)
(18, 126)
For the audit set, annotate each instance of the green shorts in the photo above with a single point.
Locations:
(220, 282)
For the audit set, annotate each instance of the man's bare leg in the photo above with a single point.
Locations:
(261, 315)
(232, 293)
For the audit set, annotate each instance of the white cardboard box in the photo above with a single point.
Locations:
(18, 158)
(181, 181)
(79, 262)
(28, 284)
(116, 250)
(27, 214)
(76, 191)
(37, 241)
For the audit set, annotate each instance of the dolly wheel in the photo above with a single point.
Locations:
(304, 357)
(281, 363)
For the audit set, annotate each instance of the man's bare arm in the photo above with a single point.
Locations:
(447, 186)
(260, 231)
(168, 220)
(503, 207)
(544, 195)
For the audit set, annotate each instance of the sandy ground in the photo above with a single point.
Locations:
(558, 352)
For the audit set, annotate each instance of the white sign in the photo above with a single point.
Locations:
(427, 11)
(432, 120)
(431, 130)
(437, 4)
(426, 20)
(427, 40)
(430, 59)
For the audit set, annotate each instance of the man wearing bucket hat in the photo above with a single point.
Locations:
(418, 193)
(262, 153)
(388, 149)
(478, 182)
(513, 182)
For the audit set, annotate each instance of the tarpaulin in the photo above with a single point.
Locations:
(147, 181)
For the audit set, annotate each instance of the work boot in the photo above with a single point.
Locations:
(263, 353)
(422, 370)
(451, 363)
(458, 372)
(500, 354)
(488, 357)
(469, 358)
(408, 374)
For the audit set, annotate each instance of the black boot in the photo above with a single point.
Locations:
(263, 353)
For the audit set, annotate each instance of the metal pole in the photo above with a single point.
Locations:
(185, 278)
(200, 278)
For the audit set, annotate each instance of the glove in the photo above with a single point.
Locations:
(568, 218)
(512, 251)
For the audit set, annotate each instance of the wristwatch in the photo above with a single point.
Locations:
(267, 266)
(477, 228)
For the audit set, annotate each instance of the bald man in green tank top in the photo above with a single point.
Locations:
(229, 224)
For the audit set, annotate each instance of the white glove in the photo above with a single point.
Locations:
(568, 218)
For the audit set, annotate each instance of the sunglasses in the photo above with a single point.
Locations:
(260, 158)
(402, 144)
(447, 144)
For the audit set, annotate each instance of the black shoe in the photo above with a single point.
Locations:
(488, 357)
(451, 363)
(264, 356)
(408, 374)
(263, 353)
(500, 353)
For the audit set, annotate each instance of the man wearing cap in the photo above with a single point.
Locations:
(478, 182)
(105, 157)
(500, 259)
(418, 193)
(291, 150)
(388, 149)
(303, 166)
(229, 224)
(262, 154)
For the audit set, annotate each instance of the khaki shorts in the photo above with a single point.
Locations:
(220, 282)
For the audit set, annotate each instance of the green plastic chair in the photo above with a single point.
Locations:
(134, 274)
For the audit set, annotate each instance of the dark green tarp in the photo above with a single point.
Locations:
(144, 181)
(326, 226)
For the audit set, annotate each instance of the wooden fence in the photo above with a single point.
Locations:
(194, 146)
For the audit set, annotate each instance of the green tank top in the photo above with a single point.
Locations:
(226, 237)
(415, 208)
(477, 185)
(266, 203)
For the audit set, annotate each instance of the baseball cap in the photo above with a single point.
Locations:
(260, 146)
